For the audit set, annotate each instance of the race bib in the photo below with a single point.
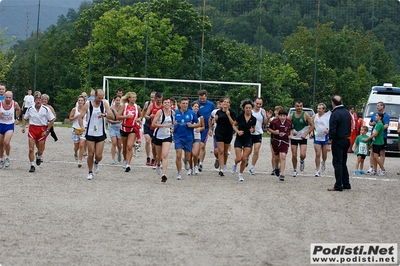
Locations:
(363, 148)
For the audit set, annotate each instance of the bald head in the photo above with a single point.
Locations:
(336, 100)
(8, 96)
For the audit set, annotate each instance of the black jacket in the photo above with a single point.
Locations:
(340, 123)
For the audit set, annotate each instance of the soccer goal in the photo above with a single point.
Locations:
(107, 78)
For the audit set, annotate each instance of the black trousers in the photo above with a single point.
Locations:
(339, 161)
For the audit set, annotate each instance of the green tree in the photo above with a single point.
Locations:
(7, 56)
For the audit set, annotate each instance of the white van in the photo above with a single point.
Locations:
(390, 96)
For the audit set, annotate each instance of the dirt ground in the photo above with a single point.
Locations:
(55, 216)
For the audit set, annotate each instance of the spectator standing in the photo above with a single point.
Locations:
(339, 137)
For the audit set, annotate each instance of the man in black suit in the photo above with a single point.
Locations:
(339, 137)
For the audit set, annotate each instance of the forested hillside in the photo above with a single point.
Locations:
(305, 50)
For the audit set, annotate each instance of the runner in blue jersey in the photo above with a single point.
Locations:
(185, 120)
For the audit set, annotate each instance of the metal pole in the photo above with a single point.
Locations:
(147, 50)
(36, 48)
(372, 44)
(202, 45)
(91, 46)
(316, 56)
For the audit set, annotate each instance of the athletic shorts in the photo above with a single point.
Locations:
(256, 138)
(321, 143)
(185, 145)
(96, 139)
(242, 143)
(362, 156)
(24, 110)
(35, 132)
(204, 135)
(148, 131)
(114, 129)
(377, 148)
(6, 127)
(196, 140)
(298, 142)
(159, 142)
(126, 134)
(280, 146)
(76, 137)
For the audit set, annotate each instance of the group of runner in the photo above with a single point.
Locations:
(160, 123)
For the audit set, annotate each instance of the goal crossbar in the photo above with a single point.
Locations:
(107, 91)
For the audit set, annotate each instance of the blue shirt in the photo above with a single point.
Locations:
(385, 121)
(205, 110)
(181, 130)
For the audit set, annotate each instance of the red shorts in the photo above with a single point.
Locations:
(280, 146)
(36, 132)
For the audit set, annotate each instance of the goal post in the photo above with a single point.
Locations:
(107, 78)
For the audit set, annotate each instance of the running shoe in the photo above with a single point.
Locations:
(119, 157)
(323, 166)
(370, 170)
(164, 178)
(247, 162)
(113, 162)
(200, 167)
(90, 176)
(79, 164)
(221, 173)
(277, 172)
(282, 178)
(233, 171)
(302, 165)
(251, 171)
(382, 172)
(362, 172)
(148, 161)
(240, 177)
(1, 164)
(225, 168)
(294, 173)
(179, 177)
(127, 169)
(317, 174)
(273, 171)
(196, 170)
(85, 155)
(32, 169)
(189, 172)
(38, 160)
(216, 164)
(187, 166)
(76, 156)
(96, 168)
(357, 172)
(124, 164)
(7, 162)
(153, 163)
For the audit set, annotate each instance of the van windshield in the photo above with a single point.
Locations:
(391, 109)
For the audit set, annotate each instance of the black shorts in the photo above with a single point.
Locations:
(148, 131)
(243, 142)
(125, 134)
(256, 138)
(95, 138)
(225, 138)
(159, 142)
(298, 142)
(377, 148)
(24, 110)
(362, 156)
